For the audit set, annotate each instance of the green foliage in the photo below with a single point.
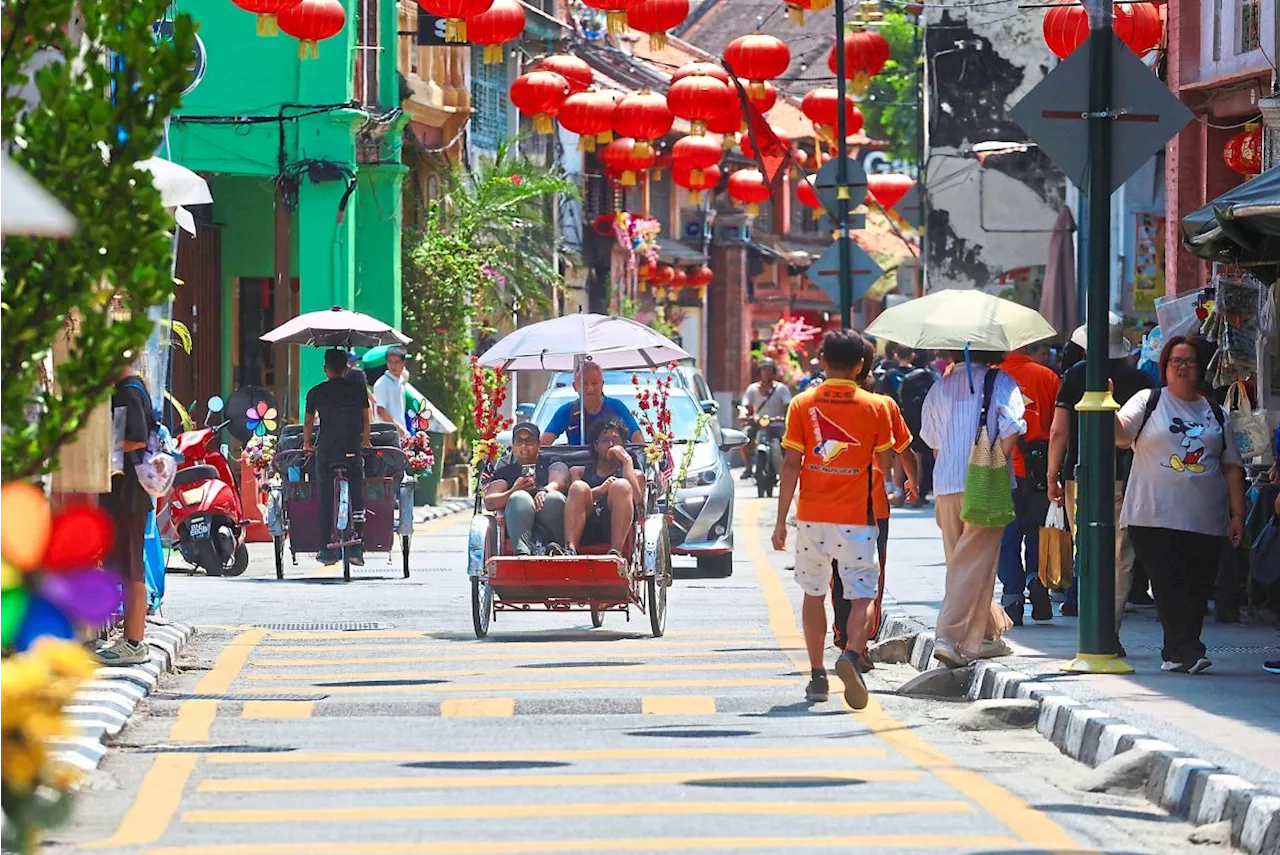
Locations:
(892, 102)
(71, 142)
(486, 251)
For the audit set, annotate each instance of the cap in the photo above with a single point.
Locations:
(351, 356)
(526, 427)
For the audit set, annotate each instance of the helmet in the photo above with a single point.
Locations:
(767, 363)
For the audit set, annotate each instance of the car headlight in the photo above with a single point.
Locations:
(700, 479)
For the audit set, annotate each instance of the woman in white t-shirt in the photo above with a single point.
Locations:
(1185, 498)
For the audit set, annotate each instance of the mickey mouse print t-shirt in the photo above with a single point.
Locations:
(1177, 480)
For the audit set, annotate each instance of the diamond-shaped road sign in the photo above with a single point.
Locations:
(824, 183)
(1145, 113)
(909, 207)
(825, 272)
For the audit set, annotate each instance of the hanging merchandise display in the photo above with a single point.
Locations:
(644, 116)
(572, 68)
(311, 22)
(455, 14)
(500, 23)
(589, 115)
(655, 17)
(539, 95)
(757, 57)
(266, 10)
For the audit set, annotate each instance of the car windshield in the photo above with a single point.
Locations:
(684, 412)
(614, 378)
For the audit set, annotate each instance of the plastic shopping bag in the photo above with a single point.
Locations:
(1249, 426)
(1055, 549)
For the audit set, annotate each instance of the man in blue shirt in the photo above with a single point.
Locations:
(567, 420)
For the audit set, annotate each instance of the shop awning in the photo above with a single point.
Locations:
(675, 252)
(1242, 226)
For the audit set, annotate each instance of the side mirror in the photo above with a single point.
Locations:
(216, 404)
(732, 439)
(710, 407)
(524, 412)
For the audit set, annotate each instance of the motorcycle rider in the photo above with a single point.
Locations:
(766, 397)
(343, 408)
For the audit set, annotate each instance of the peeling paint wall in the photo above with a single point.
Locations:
(984, 219)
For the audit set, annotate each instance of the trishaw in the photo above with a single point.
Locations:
(591, 581)
(294, 511)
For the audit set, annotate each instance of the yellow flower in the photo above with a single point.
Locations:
(20, 763)
(64, 658)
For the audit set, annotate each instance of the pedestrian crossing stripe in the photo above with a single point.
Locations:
(478, 707)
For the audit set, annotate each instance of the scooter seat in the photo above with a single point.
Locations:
(201, 472)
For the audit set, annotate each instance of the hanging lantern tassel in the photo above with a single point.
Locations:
(308, 49)
(817, 213)
(818, 5)
(604, 137)
(267, 27)
(659, 292)
(493, 54)
(753, 210)
(795, 14)
(695, 196)
(657, 41)
(628, 178)
(587, 142)
(859, 82)
(702, 292)
(616, 22)
(455, 30)
(656, 175)
(542, 124)
(642, 150)
(698, 128)
(695, 176)
(757, 90)
(728, 142)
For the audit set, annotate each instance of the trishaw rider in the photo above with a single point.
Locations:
(343, 408)
(599, 407)
(604, 493)
(529, 491)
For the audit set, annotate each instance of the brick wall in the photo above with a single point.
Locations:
(728, 333)
(1185, 154)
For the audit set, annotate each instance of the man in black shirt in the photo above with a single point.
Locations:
(343, 408)
(528, 491)
(1064, 448)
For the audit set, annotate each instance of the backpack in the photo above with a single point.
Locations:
(1153, 401)
(891, 382)
(153, 465)
(911, 394)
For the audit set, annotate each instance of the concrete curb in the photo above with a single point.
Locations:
(104, 704)
(447, 507)
(1186, 786)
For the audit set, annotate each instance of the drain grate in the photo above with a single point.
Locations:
(336, 626)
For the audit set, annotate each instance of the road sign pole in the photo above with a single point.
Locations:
(842, 177)
(1095, 476)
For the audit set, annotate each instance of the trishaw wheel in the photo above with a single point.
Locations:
(278, 544)
(657, 585)
(404, 547)
(597, 618)
(481, 605)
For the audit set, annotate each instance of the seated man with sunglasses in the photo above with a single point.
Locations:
(530, 492)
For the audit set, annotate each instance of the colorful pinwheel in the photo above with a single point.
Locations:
(50, 577)
(417, 421)
(261, 419)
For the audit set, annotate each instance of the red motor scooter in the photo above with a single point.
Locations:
(204, 506)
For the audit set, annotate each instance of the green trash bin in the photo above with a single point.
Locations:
(427, 491)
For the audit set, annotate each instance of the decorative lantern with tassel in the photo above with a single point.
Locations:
(540, 94)
(757, 57)
(696, 154)
(696, 180)
(266, 10)
(808, 196)
(311, 22)
(748, 187)
(615, 14)
(700, 98)
(455, 14)
(644, 116)
(655, 17)
(624, 157)
(500, 23)
(572, 68)
(700, 278)
(821, 106)
(589, 115)
(865, 53)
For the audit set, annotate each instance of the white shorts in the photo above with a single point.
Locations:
(851, 547)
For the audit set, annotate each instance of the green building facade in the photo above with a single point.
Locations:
(300, 152)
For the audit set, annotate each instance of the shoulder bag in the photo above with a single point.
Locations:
(988, 495)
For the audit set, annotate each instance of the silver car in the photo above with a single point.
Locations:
(702, 519)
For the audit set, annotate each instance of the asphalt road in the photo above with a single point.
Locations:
(289, 731)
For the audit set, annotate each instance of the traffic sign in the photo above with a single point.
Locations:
(824, 183)
(1144, 114)
(909, 207)
(857, 221)
(825, 272)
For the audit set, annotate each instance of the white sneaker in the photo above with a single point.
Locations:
(1180, 667)
(1201, 665)
(994, 647)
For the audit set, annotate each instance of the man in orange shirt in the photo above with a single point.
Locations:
(836, 432)
(1039, 387)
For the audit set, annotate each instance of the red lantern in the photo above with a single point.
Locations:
(822, 106)
(1067, 26)
(266, 10)
(778, 149)
(655, 17)
(700, 278)
(865, 53)
(571, 68)
(749, 187)
(888, 188)
(696, 180)
(797, 8)
(708, 69)
(808, 195)
(662, 160)
(1243, 152)
(455, 14)
(311, 22)
(660, 277)
(589, 115)
(539, 94)
(727, 124)
(696, 154)
(643, 115)
(757, 57)
(502, 22)
(698, 98)
(624, 157)
(679, 279)
(763, 100)
(615, 13)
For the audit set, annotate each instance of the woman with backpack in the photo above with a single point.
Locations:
(1184, 498)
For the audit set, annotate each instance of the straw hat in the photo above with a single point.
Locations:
(1118, 347)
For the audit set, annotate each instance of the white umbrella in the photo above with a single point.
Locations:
(561, 344)
(952, 319)
(177, 185)
(336, 327)
(26, 208)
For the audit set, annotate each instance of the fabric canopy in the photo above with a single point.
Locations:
(1242, 226)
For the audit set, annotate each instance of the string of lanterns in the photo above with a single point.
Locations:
(308, 21)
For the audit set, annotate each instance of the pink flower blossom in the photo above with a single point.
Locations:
(517, 180)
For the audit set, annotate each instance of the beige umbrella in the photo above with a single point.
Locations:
(26, 208)
(954, 319)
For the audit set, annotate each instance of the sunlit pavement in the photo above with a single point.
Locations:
(318, 717)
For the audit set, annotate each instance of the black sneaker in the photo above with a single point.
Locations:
(1041, 608)
(818, 690)
(855, 691)
(1141, 598)
(864, 662)
(746, 475)
(1070, 610)
(1015, 613)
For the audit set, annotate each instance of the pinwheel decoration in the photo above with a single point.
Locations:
(261, 418)
(417, 421)
(50, 577)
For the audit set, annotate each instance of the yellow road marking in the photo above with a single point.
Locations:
(160, 793)
(478, 707)
(570, 755)
(1033, 827)
(604, 779)
(558, 686)
(469, 656)
(840, 843)
(278, 709)
(366, 674)
(678, 705)
(540, 811)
